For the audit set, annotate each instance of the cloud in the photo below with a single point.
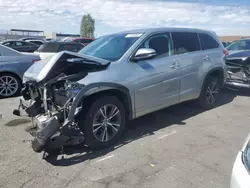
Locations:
(65, 16)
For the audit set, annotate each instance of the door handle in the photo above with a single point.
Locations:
(206, 58)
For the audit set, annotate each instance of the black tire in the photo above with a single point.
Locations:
(17, 80)
(205, 100)
(87, 118)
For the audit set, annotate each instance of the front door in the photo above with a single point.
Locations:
(157, 83)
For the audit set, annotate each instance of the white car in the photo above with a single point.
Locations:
(241, 169)
(49, 49)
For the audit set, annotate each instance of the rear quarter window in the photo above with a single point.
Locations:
(48, 47)
(184, 42)
(71, 47)
(207, 42)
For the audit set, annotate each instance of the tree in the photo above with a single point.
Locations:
(87, 26)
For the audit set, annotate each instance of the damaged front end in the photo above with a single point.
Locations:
(238, 66)
(50, 90)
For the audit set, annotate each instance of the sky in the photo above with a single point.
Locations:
(225, 17)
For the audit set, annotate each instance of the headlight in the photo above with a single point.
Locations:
(246, 156)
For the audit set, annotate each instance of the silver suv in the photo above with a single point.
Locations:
(120, 77)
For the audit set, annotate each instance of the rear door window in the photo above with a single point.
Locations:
(17, 43)
(184, 42)
(24, 44)
(207, 42)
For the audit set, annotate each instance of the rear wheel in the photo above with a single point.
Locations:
(103, 123)
(10, 85)
(209, 95)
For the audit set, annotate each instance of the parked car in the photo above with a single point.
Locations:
(49, 49)
(120, 77)
(21, 46)
(38, 42)
(13, 64)
(240, 177)
(83, 40)
(225, 44)
(239, 45)
(238, 64)
(32, 38)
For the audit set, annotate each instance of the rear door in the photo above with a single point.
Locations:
(211, 48)
(189, 56)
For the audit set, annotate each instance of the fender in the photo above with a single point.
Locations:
(95, 88)
(211, 71)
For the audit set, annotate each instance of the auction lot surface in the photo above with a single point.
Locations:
(177, 147)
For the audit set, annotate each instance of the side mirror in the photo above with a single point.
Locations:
(144, 53)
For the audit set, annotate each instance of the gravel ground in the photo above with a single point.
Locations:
(180, 146)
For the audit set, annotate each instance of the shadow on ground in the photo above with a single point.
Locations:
(138, 128)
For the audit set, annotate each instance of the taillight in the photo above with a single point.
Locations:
(225, 52)
(35, 60)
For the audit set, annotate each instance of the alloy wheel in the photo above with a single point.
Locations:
(106, 123)
(8, 85)
(211, 92)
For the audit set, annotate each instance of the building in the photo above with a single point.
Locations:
(59, 36)
(20, 33)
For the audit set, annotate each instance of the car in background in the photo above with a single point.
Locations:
(49, 39)
(239, 45)
(240, 177)
(83, 40)
(66, 39)
(38, 42)
(32, 38)
(21, 46)
(13, 64)
(49, 49)
(225, 44)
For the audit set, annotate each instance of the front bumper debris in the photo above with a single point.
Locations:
(50, 132)
(47, 127)
(237, 80)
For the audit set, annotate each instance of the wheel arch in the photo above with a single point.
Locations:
(91, 91)
(216, 72)
(11, 72)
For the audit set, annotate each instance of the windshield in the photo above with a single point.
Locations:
(111, 47)
(239, 45)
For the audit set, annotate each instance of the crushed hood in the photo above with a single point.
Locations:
(238, 54)
(65, 62)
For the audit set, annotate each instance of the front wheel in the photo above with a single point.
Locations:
(210, 92)
(104, 122)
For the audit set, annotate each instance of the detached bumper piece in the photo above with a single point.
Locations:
(238, 83)
(48, 128)
(30, 110)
